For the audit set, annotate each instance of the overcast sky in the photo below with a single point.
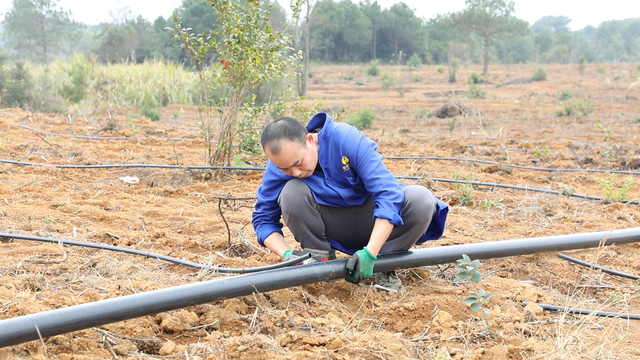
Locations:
(581, 12)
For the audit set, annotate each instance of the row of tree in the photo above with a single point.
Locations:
(332, 31)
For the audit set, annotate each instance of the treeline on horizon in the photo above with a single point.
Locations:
(339, 32)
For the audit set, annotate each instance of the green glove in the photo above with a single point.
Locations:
(293, 254)
(360, 266)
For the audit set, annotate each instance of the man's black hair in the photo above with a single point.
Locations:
(284, 128)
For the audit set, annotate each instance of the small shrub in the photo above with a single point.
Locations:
(488, 204)
(568, 192)
(176, 114)
(440, 69)
(617, 298)
(608, 139)
(300, 109)
(421, 113)
(452, 125)
(79, 74)
(540, 74)
(601, 69)
(454, 64)
(151, 114)
(238, 162)
(373, 69)
(249, 141)
(415, 61)
(577, 108)
(476, 92)
(3, 60)
(541, 153)
(608, 135)
(469, 270)
(362, 119)
(475, 79)
(387, 81)
(564, 94)
(415, 78)
(465, 190)
(612, 191)
(16, 91)
(583, 107)
(582, 64)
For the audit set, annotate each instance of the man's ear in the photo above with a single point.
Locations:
(309, 137)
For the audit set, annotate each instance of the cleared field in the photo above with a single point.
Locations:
(188, 214)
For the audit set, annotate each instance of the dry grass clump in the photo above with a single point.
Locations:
(591, 337)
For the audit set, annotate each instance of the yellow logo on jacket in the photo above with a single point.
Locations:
(345, 163)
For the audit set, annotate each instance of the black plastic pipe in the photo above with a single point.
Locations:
(55, 322)
(111, 166)
(477, 183)
(156, 256)
(603, 269)
(517, 187)
(162, 166)
(586, 311)
(510, 165)
(96, 137)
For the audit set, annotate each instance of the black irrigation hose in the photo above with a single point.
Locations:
(185, 139)
(261, 168)
(389, 157)
(566, 193)
(510, 165)
(157, 256)
(586, 311)
(603, 269)
(95, 137)
(528, 150)
(502, 139)
(109, 166)
(479, 183)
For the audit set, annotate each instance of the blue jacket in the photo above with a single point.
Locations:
(352, 171)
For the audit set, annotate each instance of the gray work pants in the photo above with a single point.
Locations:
(312, 223)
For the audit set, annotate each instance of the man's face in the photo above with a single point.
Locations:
(295, 159)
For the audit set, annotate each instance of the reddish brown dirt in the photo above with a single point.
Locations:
(177, 212)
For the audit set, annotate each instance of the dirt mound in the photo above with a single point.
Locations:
(519, 81)
(452, 109)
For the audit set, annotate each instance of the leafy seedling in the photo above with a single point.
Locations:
(468, 270)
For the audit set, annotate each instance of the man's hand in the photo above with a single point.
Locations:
(292, 254)
(360, 266)
(311, 256)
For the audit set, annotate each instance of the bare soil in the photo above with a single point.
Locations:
(180, 212)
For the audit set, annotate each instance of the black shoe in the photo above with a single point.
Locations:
(388, 280)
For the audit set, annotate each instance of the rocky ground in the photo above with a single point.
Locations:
(201, 217)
